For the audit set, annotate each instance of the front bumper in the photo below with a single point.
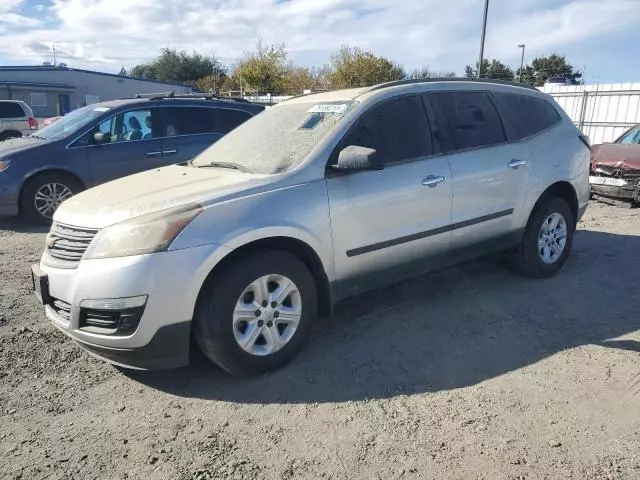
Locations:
(616, 187)
(171, 280)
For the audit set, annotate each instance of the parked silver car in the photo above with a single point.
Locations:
(16, 119)
(318, 198)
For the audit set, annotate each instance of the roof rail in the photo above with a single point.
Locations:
(205, 96)
(450, 79)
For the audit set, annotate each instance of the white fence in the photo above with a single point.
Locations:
(603, 112)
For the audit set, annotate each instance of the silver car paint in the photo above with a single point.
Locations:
(333, 215)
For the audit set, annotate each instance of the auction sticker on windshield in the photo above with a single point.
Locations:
(101, 109)
(329, 108)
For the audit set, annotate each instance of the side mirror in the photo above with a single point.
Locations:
(101, 137)
(357, 158)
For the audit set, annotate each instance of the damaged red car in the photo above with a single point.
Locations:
(615, 167)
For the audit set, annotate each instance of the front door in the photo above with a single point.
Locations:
(384, 222)
(489, 174)
(130, 145)
(64, 104)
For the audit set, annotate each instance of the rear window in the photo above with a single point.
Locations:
(525, 115)
(11, 110)
(470, 119)
(199, 120)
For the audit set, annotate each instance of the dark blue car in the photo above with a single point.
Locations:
(105, 141)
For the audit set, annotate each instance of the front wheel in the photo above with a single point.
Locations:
(547, 240)
(44, 193)
(257, 315)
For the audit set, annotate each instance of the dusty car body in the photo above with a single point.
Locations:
(615, 167)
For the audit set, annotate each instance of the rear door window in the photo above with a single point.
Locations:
(469, 118)
(228, 119)
(525, 115)
(189, 120)
(11, 110)
(397, 129)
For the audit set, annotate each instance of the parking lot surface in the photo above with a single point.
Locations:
(471, 372)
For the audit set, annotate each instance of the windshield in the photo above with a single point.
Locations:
(70, 123)
(276, 140)
(631, 137)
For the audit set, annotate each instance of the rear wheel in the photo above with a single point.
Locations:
(547, 240)
(43, 194)
(257, 315)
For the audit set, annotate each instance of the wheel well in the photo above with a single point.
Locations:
(566, 192)
(66, 173)
(297, 247)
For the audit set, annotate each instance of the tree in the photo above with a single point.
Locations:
(542, 68)
(181, 67)
(426, 72)
(490, 69)
(264, 69)
(354, 67)
(123, 72)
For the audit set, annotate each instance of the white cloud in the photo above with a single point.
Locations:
(106, 34)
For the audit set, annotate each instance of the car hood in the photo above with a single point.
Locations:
(616, 155)
(19, 145)
(155, 190)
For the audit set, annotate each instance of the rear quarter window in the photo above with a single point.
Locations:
(525, 115)
(11, 110)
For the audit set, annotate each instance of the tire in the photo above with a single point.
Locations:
(218, 331)
(528, 259)
(65, 186)
(8, 135)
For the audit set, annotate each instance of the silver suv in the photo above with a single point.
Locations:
(16, 119)
(316, 199)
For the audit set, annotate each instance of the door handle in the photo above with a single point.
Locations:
(433, 180)
(153, 154)
(169, 152)
(515, 163)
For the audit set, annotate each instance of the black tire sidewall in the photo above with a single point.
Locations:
(27, 207)
(534, 264)
(213, 325)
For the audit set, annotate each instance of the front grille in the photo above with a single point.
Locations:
(67, 243)
(62, 309)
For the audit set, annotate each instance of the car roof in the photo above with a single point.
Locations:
(353, 93)
(193, 101)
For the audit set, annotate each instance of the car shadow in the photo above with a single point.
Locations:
(450, 329)
(19, 225)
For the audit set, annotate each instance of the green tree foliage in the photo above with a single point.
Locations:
(426, 72)
(123, 72)
(542, 68)
(174, 66)
(354, 67)
(490, 69)
(263, 70)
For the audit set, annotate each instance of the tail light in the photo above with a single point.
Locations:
(585, 139)
(33, 123)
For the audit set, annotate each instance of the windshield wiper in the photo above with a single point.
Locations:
(232, 166)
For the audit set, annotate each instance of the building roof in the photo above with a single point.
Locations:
(52, 68)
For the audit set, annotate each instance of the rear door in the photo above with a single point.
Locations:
(489, 174)
(132, 145)
(192, 129)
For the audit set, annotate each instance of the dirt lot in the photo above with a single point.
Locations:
(471, 372)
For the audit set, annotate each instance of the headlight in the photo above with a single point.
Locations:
(4, 164)
(146, 234)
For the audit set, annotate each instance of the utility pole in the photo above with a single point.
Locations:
(522, 46)
(54, 54)
(484, 31)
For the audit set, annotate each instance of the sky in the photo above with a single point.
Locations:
(600, 37)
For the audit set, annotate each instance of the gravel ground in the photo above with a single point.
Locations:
(471, 372)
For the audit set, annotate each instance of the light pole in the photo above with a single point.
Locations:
(522, 46)
(484, 30)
